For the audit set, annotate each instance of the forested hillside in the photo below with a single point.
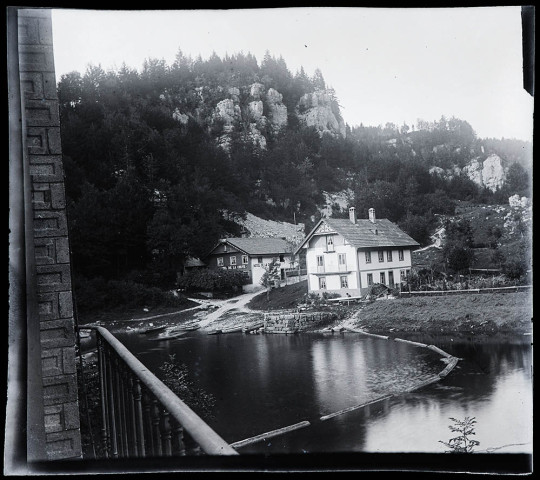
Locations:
(154, 158)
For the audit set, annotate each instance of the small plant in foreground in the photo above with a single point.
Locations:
(462, 443)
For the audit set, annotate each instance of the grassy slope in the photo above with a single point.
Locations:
(486, 313)
(286, 297)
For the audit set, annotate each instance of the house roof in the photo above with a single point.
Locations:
(366, 234)
(257, 245)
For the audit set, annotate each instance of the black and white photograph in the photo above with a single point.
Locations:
(291, 239)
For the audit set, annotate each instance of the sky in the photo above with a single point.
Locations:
(385, 64)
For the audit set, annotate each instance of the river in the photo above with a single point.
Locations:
(265, 382)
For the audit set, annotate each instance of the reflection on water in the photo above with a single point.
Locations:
(265, 382)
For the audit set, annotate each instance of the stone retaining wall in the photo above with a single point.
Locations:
(283, 322)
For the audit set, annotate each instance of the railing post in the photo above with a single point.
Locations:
(110, 398)
(155, 428)
(132, 438)
(139, 426)
(147, 412)
(103, 395)
(117, 405)
(122, 414)
(178, 435)
(165, 428)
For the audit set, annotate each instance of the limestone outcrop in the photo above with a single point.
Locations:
(320, 110)
(489, 173)
(277, 111)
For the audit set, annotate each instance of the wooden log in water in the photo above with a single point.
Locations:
(355, 407)
(451, 364)
(273, 433)
(438, 350)
(410, 342)
(153, 329)
(188, 328)
(160, 338)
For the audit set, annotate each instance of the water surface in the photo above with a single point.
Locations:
(265, 382)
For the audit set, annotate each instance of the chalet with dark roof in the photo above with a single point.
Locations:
(347, 256)
(250, 255)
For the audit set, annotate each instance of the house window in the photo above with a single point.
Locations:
(383, 278)
(329, 243)
(391, 279)
(282, 258)
(401, 255)
(370, 279)
(322, 283)
(225, 247)
(233, 260)
(220, 261)
(368, 257)
(403, 274)
(245, 259)
(389, 255)
(259, 259)
(341, 259)
(381, 255)
(344, 281)
(320, 261)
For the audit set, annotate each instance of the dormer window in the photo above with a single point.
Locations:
(224, 247)
(329, 243)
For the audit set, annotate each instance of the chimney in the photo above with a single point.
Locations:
(352, 214)
(372, 215)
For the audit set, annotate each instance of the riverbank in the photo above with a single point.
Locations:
(488, 315)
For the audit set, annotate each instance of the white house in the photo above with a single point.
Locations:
(346, 256)
(250, 255)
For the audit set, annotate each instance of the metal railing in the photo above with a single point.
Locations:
(140, 415)
(517, 288)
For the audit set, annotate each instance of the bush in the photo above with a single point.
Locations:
(98, 294)
(206, 279)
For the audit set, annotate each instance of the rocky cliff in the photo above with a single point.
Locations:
(255, 112)
(489, 173)
(320, 110)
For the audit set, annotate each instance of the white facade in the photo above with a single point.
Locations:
(332, 266)
(395, 266)
(257, 265)
(336, 266)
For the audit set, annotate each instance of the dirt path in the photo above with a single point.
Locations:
(238, 303)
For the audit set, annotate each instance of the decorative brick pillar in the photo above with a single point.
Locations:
(51, 246)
